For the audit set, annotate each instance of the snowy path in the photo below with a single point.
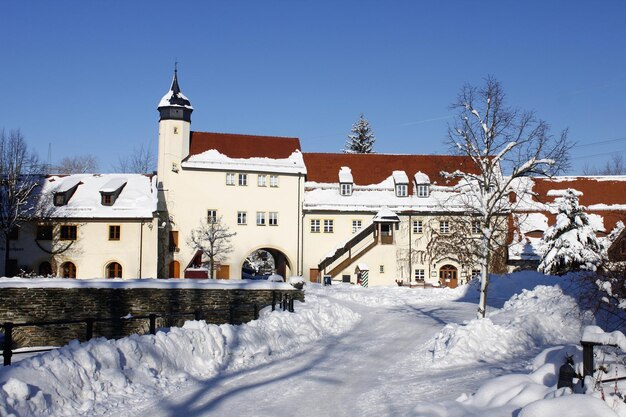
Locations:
(375, 369)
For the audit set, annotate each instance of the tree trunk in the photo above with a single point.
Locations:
(6, 254)
(484, 284)
(211, 269)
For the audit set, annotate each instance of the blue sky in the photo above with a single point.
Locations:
(86, 77)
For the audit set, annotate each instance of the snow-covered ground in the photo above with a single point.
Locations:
(346, 351)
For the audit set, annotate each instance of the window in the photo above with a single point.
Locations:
(418, 226)
(273, 219)
(475, 227)
(419, 275)
(14, 233)
(114, 232)
(262, 181)
(475, 273)
(242, 217)
(230, 178)
(346, 189)
(315, 226)
(243, 179)
(329, 226)
(273, 180)
(68, 232)
(444, 226)
(45, 269)
(114, 270)
(211, 216)
(422, 190)
(59, 199)
(381, 269)
(260, 218)
(44, 232)
(173, 243)
(402, 190)
(356, 225)
(107, 199)
(68, 270)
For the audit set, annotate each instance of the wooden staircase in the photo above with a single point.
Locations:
(352, 249)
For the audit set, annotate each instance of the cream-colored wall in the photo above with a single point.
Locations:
(92, 251)
(190, 193)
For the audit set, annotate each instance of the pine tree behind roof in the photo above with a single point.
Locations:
(362, 139)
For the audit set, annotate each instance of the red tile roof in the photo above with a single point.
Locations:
(595, 190)
(243, 146)
(373, 168)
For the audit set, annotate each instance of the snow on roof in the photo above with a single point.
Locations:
(362, 267)
(170, 98)
(400, 177)
(421, 178)
(212, 159)
(66, 184)
(138, 199)
(113, 185)
(530, 222)
(562, 193)
(345, 175)
(386, 215)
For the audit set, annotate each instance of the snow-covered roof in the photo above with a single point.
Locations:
(345, 175)
(362, 266)
(138, 199)
(67, 184)
(212, 159)
(174, 97)
(113, 185)
(386, 215)
(400, 177)
(421, 178)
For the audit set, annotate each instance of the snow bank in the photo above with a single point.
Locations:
(95, 377)
(544, 315)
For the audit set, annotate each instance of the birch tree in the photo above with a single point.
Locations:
(497, 138)
(213, 239)
(20, 178)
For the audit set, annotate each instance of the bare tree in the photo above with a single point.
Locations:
(614, 166)
(77, 165)
(496, 137)
(20, 179)
(141, 161)
(213, 240)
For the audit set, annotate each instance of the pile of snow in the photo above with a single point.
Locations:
(531, 395)
(94, 377)
(544, 315)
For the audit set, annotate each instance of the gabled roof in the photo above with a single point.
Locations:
(374, 168)
(244, 146)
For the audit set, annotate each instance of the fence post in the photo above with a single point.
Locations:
(197, 315)
(8, 343)
(89, 332)
(256, 311)
(273, 300)
(291, 310)
(152, 318)
(285, 301)
(587, 358)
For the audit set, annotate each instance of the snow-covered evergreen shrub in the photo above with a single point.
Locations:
(570, 244)
(362, 138)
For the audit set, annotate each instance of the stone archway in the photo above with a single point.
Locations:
(448, 276)
(265, 261)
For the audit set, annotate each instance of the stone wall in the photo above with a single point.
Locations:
(22, 305)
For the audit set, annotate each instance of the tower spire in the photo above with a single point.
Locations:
(174, 104)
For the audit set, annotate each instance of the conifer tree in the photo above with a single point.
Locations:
(570, 244)
(361, 140)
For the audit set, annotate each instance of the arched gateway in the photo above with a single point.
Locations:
(261, 263)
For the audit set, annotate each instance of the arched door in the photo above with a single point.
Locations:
(448, 276)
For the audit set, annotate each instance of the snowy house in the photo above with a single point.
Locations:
(90, 226)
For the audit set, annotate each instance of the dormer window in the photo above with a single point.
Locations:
(402, 190)
(401, 182)
(346, 181)
(422, 190)
(111, 191)
(422, 184)
(65, 191)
